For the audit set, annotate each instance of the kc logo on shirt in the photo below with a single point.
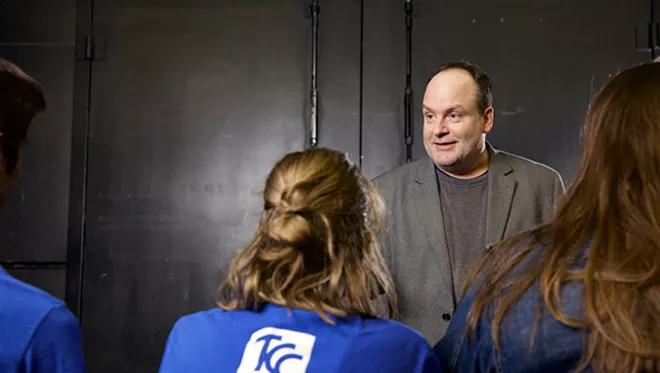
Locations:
(272, 350)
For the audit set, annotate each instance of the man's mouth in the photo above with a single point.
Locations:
(444, 145)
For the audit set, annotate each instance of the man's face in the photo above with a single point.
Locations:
(8, 180)
(454, 128)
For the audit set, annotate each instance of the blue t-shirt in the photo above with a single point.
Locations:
(37, 332)
(277, 340)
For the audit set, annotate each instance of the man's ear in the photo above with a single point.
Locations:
(489, 114)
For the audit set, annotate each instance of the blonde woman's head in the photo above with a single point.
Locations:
(316, 244)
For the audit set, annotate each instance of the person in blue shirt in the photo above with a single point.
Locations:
(580, 293)
(38, 334)
(301, 297)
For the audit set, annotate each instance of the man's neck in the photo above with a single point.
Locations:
(472, 170)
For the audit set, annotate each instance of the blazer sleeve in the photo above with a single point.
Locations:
(382, 305)
(558, 189)
(385, 243)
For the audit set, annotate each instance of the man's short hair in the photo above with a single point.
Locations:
(21, 98)
(481, 79)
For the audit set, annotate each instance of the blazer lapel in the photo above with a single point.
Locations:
(427, 202)
(501, 188)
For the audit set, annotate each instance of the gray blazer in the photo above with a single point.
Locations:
(521, 194)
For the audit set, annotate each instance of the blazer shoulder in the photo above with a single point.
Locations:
(530, 168)
(400, 173)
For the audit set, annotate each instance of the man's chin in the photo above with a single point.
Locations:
(445, 162)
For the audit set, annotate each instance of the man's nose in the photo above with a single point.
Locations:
(440, 129)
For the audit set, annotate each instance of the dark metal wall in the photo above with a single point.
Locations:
(189, 111)
(546, 59)
(156, 146)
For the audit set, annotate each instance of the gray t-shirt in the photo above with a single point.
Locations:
(464, 206)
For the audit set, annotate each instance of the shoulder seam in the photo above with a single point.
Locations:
(36, 330)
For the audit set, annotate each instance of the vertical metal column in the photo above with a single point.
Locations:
(314, 112)
(361, 103)
(654, 32)
(85, 57)
(407, 101)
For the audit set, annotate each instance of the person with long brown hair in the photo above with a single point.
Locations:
(38, 333)
(300, 297)
(582, 292)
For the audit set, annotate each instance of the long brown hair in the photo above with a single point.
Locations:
(21, 98)
(315, 247)
(613, 207)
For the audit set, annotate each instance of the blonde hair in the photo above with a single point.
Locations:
(315, 247)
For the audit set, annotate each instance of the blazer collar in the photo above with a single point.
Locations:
(501, 188)
(497, 164)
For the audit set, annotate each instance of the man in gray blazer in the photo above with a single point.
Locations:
(445, 210)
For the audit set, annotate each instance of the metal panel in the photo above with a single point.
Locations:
(34, 219)
(78, 169)
(37, 21)
(384, 83)
(339, 76)
(48, 280)
(546, 59)
(189, 112)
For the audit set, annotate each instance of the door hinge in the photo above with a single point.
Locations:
(91, 49)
